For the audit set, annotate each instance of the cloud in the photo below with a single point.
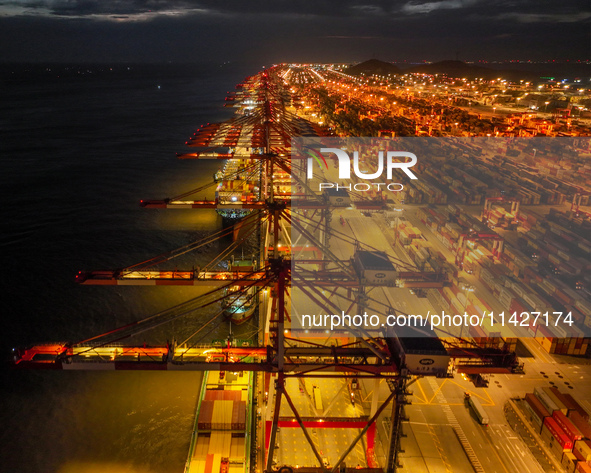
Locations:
(116, 10)
(523, 11)
(428, 7)
(23, 8)
(295, 30)
(545, 17)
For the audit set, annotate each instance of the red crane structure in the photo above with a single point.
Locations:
(576, 203)
(466, 238)
(488, 203)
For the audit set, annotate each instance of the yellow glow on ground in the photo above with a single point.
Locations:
(102, 467)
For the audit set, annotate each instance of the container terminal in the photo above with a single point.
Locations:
(491, 226)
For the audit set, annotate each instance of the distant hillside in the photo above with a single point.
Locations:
(373, 66)
(461, 69)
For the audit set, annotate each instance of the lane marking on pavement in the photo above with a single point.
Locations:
(416, 396)
(437, 391)
(484, 390)
(457, 428)
(440, 450)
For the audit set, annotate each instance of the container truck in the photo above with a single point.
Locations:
(477, 408)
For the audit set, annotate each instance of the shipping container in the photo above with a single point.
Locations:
(536, 410)
(217, 463)
(545, 399)
(223, 394)
(559, 436)
(197, 466)
(569, 462)
(205, 415)
(583, 448)
(562, 398)
(237, 449)
(478, 410)
(571, 431)
(209, 463)
(580, 423)
(556, 400)
(201, 447)
(551, 442)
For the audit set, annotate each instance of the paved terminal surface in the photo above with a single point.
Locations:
(330, 442)
(438, 416)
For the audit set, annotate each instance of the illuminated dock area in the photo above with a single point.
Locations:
(457, 240)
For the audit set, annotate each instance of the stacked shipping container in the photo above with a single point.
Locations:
(556, 417)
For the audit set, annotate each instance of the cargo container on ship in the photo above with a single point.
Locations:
(222, 433)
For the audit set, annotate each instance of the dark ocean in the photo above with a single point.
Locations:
(80, 146)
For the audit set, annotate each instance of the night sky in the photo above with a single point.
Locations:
(294, 31)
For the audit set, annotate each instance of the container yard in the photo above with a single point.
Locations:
(511, 272)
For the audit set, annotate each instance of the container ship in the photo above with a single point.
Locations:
(238, 183)
(261, 127)
(239, 305)
(222, 429)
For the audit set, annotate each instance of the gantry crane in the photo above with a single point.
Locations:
(576, 203)
(466, 238)
(488, 203)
